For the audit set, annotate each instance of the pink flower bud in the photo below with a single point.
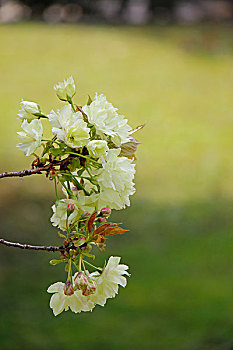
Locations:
(85, 284)
(81, 281)
(70, 207)
(85, 214)
(68, 288)
(90, 288)
(102, 220)
(105, 212)
(101, 246)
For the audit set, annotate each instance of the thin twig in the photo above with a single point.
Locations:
(31, 247)
(23, 173)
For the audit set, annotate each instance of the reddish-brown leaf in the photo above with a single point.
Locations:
(110, 231)
(90, 222)
(99, 239)
(102, 228)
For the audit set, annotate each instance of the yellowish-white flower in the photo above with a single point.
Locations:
(106, 120)
(87, 203)
(69, 127)
(29, 110)
(60, 301)
(30, 136)
(107, 283)
(97, 148)
(61, 212)
(65, 90)
(116, 181)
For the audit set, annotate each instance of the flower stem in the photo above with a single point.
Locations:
(69, 277)
(55, 182)
(72, 105)
(77, 268)
(94, 267)
(80, 263)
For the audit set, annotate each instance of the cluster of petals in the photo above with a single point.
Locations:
(28, 111)
(60, 215)
(65, 90)
(60, 301)
(106, 120)
(107, 287)
(115, 180)
(30, 136)
(69, 127)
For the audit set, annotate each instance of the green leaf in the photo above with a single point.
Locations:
(79, 172)
(89, 100)
(89, 255)
(75, 164)
(55, 262)
(61, 235)
(55, 151)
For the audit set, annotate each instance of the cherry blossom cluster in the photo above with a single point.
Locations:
(89, 156)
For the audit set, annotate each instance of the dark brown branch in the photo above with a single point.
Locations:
(31, 247)
(38, 170)
(23, 173)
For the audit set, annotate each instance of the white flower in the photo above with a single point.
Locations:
(107, 283)
(31, 136)
(87, 203)
(59, 218)
(102, 286)
(60, 301)
(65, 90)
(69, 127)
(116, 181)
(97, 148)
(106, 120)
(29, 110)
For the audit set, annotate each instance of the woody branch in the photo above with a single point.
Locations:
(23, 173)
(31, 247)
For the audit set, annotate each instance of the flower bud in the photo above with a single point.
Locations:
(29, 111)
(129, 148)
(85, 214)
(102, 220)
(86, 248)
(105, 212)
(97, 148)
(70, 208)
(101, 246)
(90, 289)
(81, 280)
(30, 107)
(65, 90)
(68, 288)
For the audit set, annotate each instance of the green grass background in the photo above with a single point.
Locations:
(179, 247)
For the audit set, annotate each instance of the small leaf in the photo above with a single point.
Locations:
(90, 222)
(89, 100)
(79, 172)
(137, 129)
(61, 235)
(102, 228)
(110, 231)
(75, 164)
(99, 239)
(55, 151)
(55, 262)
(129, 148)
(89, 255)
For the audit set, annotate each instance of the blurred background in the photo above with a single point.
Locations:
(168, 63)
